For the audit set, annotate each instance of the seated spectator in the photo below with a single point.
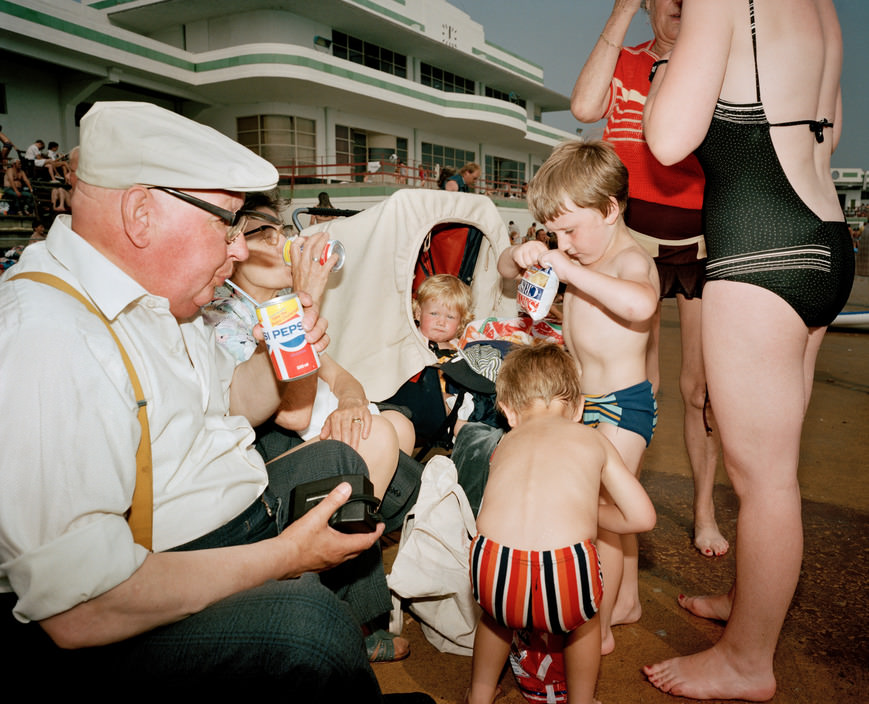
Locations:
(14, 252)
(38, 233)
(60, 199)
(17, 190)
(441, 309)
(221, 592)
(339, 408)
(34, 155)
(39, 159)
(465, 179)
(443, 174)
(57, 164)
(5, 147)
(10, 257)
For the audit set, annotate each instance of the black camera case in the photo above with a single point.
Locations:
(358, 515)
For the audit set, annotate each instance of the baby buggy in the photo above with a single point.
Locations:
(390, 248)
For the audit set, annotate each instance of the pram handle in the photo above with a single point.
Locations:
(328, 212)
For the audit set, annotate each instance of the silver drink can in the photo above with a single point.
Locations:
(332, 247)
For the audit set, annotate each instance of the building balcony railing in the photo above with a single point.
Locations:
(389, 173)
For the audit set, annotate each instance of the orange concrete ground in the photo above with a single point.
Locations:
(823, 653)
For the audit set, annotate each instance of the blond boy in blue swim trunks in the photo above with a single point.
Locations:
(534, 564)
(611, 295)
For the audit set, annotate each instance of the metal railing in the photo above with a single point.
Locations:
(387, 172)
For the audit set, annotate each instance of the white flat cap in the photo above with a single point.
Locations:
(124, 143)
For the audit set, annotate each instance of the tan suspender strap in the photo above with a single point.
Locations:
(141, 513)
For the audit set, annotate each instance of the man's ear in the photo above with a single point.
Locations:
(136, 212)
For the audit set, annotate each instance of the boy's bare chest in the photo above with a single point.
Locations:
(598, 338)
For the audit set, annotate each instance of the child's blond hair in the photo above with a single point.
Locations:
(587, 173)
(538, 372)
(450, 290)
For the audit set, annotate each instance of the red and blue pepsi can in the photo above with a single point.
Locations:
(293, 357)
(332, 247)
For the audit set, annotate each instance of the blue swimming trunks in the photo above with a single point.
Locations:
(634, 409)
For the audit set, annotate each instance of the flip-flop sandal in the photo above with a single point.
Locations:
(381, 647)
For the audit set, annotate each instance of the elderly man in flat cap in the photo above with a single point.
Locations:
(169, 562)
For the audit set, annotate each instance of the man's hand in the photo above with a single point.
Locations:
(169, 586)
(313, 546)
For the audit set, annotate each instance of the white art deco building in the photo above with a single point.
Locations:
(371, 94)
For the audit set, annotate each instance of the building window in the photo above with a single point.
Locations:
(506, 97)
(444, 80)
(371, 55)
(505, 175)
(3, 98)
(438, 154)
(284, 140)
(355, 147)
(351, 148)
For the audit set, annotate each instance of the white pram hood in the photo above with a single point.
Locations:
(368, 302)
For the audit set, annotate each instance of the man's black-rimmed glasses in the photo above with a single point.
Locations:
(236, 221)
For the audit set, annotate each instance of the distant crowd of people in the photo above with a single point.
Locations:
(40, 165)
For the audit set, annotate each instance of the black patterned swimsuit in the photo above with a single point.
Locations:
(758, 230)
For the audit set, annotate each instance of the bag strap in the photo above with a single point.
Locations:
(140, 515)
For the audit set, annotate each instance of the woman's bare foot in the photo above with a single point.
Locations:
(714, 607)
(710, 675)
(708, 539)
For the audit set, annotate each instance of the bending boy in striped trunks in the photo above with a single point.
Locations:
(534, 564)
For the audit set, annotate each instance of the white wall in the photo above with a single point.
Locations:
(255, 27)
(33, 108)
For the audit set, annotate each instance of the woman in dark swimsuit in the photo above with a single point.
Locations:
(753, 87)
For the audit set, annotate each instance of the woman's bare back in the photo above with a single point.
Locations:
(799, 57)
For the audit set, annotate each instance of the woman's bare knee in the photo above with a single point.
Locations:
(380, 452)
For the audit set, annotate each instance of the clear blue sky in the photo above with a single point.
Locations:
(559, 35)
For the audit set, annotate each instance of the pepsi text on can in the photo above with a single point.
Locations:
(293, 357)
